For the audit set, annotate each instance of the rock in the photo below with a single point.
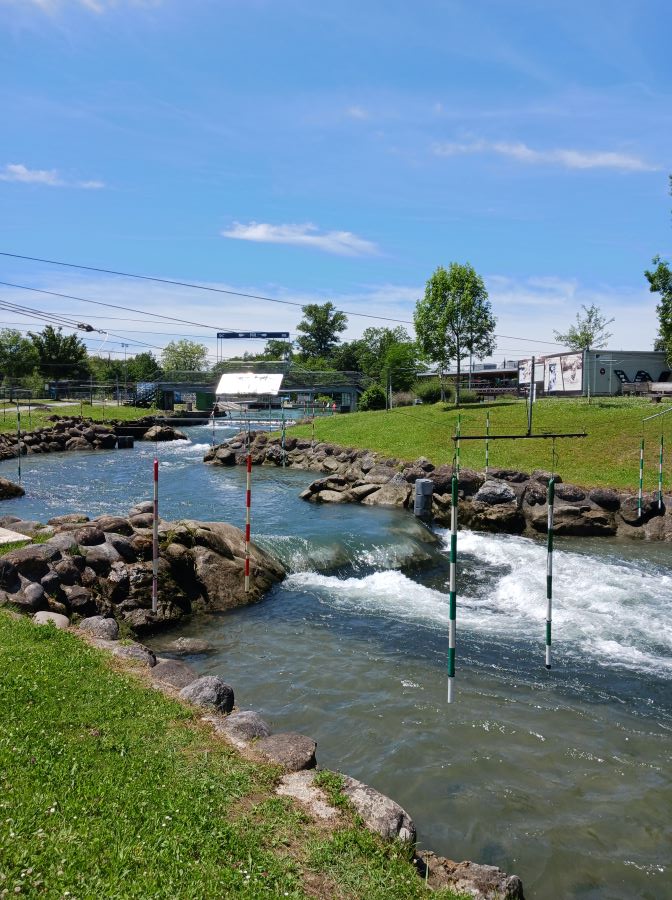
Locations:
(329, 497)
(164, 433)
(68, 519)
(142, 546)
(115, 586)
(78, 443)
(378, 474)
(574, 520)
(300, 786)
(380, 814)
(223, 456)
(34, 596)
(569, 492)
(469, 482)
(122, 545)
(471, 879)
(423, 463)
(100, 627)
(116, 524)
(51, 584)
(68, 571)
(485, 517)
(542, 477)
(89, 536)
(442, 477)
(28, 561)
(145, 506)
(80, 600)
(101, 557)
(8, 489)
(629, 510)
(174, 673)
(51, 618)
(210, 692)
(63, 542)
(360, 491)
(292, 751)
(9, 575)
(508, 475)
(606, 498)
(494, 493)
(390, 494)
(30, 528)
(136, 652)
(142, 520)
(243, 727)
(190, 646)
(535, 494)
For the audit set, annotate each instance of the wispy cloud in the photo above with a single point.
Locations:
(357, 112)
(342, 243)
(96, 6)
(567, 158)
(17, 172)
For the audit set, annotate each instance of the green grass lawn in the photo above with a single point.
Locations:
(108, 789)
(38, 418)
(609, 456)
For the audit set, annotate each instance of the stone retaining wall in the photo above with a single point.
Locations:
(505, 500)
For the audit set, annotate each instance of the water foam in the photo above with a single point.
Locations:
(616, 613)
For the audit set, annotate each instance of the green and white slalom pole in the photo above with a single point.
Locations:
(549, 570)
(660, 473)
(283, 439)
(457, 446)
(487, 443)
(640, 495)
(18, 439)
(452, 588)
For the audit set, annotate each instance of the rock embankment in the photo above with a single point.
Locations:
(77, 433)
(103, 567)
(503, 501)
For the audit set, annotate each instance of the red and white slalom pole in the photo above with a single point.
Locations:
(155, 540)
(248, 506)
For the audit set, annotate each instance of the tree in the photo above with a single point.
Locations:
(372, 398)
(454, 319)
(400, 365)
(590, 330)
(320, 327)
(660, 282)
(18, 356)
(143, 367)
(276, 349)
(60, 355)
(184, 356)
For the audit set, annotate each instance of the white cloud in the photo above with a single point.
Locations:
(569, 159)
(96, 6)
(357, 112)
(17, 172)
(342, 243)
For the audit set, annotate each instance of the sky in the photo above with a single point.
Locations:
(335, 151)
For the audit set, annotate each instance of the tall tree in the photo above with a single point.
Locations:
(590, 330)
(320, 328)
(60, 355)
(277, 349)
(18, 356)
(184, 356)
(143, 367)
(454, 319)
(660, 282)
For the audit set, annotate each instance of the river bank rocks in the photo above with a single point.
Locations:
(77, 433)
(102, 568)
(503, 501)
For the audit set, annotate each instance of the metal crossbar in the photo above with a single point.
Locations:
(514, 437)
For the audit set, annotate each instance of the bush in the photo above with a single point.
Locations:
(429, 390)
(468, 396)
(372, 398)
(403, 398)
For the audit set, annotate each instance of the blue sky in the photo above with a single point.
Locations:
(313, 151)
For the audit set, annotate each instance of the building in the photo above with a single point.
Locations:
(595, 372)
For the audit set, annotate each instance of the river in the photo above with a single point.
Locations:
(562, 777)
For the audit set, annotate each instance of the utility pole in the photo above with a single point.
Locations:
(530, 400)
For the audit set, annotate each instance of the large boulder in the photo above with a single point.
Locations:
(164, 433)
(99, 627)
(291, 751)
(243, 727)
(29, 561)
(174, 673)
(8, 489)
(210, 692)
(493, 493)
(470, 879)
(380, 814)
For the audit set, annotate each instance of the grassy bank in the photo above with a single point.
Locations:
(609, 456)
(109, 789)
(39, 417)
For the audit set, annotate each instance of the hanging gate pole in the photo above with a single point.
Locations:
(640, 495)
(453, 587)
(248, 504)
(18, 439)
(549, 570)
(660, 473)
(155, 540)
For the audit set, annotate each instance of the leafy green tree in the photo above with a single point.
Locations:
(400, 365)
(454, 318)
(184, 356)
(372, 398)
(18, 356)
(320, 328)
(106, 371)
(590, 330)
(60, 355)
(660, 282)
(277, 349)
(347, 357)
(143, 367)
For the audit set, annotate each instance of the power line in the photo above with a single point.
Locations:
(216, 290)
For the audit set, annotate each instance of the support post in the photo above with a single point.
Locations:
(155, 540)
(660, 473)
(248, 505)
(530, 399)
(549, 569)
(640, 494)
(18, 439)
(487, 443)
(452, 627)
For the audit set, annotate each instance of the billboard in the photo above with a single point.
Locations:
(224, 335)
(249, 383)
(525, 370)
(563, 373)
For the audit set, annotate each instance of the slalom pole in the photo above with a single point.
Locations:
(660, 473)
(18, 438)
(213, 426)
(640, 496)
(155, 540)
(248, 504)
(549, 570)
(487, 443)
(453, 587)
(283, 439)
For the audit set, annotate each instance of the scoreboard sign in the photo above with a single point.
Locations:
(223, 335)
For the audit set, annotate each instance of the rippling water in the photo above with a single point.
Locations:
(560, 776)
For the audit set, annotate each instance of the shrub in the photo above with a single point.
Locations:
(372, 398)
(468, 396)
(429, 390)
(403, 398)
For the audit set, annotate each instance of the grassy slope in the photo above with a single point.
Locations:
(39, 417)
(609, 456)
(109, 789)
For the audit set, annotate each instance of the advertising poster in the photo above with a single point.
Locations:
(563, 373)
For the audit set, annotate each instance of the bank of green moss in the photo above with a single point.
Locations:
(110, 789)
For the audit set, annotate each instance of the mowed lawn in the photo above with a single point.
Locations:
(608, 456)
(108, 789)
(39, 417)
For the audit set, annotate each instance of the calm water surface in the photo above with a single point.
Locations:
(562, 777)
